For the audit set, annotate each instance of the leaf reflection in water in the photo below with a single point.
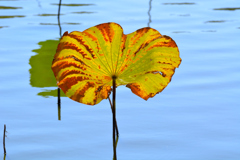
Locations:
(40, 75)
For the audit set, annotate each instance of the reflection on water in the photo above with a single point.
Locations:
(181, 32)
(72, 5)
(184, 15)
(14, 16)
(184, 125)
(48, 15)
(209, 31)
(3, 27)
(60, 36)
(220, 21)
(41, 74)
(48, 23)
(149, 15)
(9, 0)
(71, 23)
(64, 23)
(179, 3)
(226, 9)
(7, 7)
(47, 92)
(39, 4)
(83, 12)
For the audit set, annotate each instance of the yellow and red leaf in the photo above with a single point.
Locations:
(85, 62)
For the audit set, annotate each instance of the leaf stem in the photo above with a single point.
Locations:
(114, 116)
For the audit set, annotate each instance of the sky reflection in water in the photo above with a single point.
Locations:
(196, 117)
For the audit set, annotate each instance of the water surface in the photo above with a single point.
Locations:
(196, 117)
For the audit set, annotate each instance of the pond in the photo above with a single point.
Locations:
(197, 116)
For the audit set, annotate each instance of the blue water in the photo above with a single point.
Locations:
(196, 117)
